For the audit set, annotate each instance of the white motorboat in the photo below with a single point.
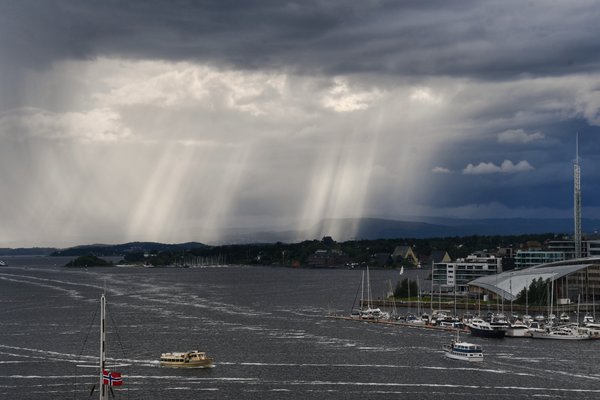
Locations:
(459, 350)
(518, 329)
(535, 326)
(411, 319)
(372, 313)
(539, 318)
(479, 327)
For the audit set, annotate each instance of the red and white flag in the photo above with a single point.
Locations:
(112, 378)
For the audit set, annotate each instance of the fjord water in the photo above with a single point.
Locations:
(267, 329)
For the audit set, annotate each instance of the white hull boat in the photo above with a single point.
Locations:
(463, 351)
(561, 334)
(518, 330)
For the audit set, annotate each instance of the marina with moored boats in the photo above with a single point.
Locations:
(570, 325)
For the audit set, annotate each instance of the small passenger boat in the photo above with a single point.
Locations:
(458, 350)
(190, 359)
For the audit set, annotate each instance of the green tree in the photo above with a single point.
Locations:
(406, 287)
(134, 257)
(537, 293)
(88, 260)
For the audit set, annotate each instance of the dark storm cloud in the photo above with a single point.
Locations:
(266, 112)
(470, 38)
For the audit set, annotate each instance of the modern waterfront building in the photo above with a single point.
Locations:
(531, 258)
(455, 276)
(589, 248)
(573, 279)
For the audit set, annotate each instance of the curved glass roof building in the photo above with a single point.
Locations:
(571, 277)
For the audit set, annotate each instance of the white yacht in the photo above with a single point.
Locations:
(518, 329)
(592, 329)
(372, 313)
(564, 317)
(539, 318)
(535, 326)
(414, 320)
(479, 327)
(563, 333)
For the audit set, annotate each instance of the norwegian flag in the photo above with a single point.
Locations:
(112, 378)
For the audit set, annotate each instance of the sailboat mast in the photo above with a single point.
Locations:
(419, 312)
(362, 291)
(551, 301)
(526, 301)
(594, 302)
(511, 300)
(578, 299)
(103, 394)
(454, 290)
(431, 301)
(368, 288)
(409, 307)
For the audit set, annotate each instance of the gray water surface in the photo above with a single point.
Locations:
(268, 330)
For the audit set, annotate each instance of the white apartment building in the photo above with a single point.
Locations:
(454, 276)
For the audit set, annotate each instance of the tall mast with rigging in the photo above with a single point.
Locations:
(103, 394)
(577, 201)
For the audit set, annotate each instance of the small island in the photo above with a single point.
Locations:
(89, 260)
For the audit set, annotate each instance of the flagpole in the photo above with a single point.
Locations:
(102, 346)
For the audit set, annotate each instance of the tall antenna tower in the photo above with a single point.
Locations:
(577, 200)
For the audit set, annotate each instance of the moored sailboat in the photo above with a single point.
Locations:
(562, 333)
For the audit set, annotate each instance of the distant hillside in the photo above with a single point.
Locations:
(107, 250)
(377, 228)
(371, 228)
(34, 251)
(351, 228)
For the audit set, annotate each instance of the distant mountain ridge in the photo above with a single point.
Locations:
(26, 251)
(422, 228)
(354, 229)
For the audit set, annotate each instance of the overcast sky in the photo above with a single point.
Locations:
(174, 120)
